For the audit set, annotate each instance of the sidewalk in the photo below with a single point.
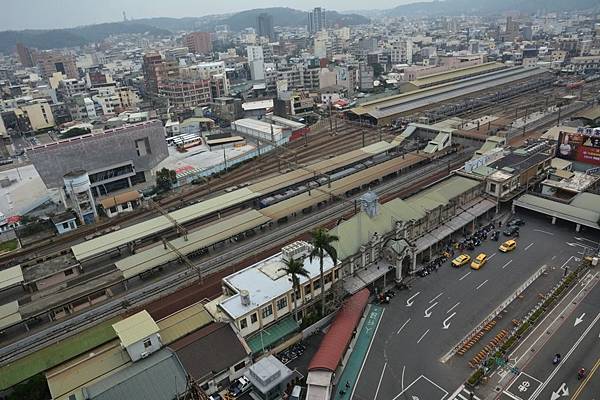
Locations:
(535, 340)
(359, 349)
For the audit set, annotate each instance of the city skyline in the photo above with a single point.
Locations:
(45, 15)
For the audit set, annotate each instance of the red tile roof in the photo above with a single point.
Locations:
(338, 337)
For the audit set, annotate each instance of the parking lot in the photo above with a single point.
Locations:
(422, 324)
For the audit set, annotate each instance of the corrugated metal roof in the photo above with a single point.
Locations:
(183, 322)
(218, 231)
(11, 276)
(158, 377)
(560, 210)
(135, 328)
(339, 187)
(69, 378)
(217, 345)
(457, 73)
(105, 243)
(588, 201)
(9, 314)
(122, 198)
(441, 193)
(272, 334)
(336, 341)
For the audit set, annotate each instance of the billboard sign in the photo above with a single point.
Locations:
(582, 146)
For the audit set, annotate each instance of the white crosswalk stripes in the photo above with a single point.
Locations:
(464, 394)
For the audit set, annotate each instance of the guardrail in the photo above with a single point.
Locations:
(494, 313)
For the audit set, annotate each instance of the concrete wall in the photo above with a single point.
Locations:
(98, 151)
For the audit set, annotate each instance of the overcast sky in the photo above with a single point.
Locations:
(25, 14)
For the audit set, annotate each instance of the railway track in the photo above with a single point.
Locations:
(176, 281)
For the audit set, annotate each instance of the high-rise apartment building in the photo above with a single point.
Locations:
(256, 62)
(156, 70)
(198, 42)
(265, 25)
(49, 62)
(26, 56)
(402, 52)
(316, 20)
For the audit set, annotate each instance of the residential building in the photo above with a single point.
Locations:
(365, 76)
(121, 203)
(64, 222)
(227, 109)
(186, 93)
(256, 62)
(198, 42)
(265, 25)
(316, 20)
(402, 52)
(26, 56)
(36, 114)
(156, 70)
(49, 62)
(224, 356)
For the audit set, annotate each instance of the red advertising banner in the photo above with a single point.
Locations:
(582, 146)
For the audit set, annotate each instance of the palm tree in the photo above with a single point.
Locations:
(295, 269)
(322, 245)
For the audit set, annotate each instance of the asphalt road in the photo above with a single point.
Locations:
(404, 361)
(578, 342)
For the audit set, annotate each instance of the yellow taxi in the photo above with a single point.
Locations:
(479, 261)
(461, 260)
(507, 246)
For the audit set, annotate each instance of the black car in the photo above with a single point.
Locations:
(511, 230)
(516, 222)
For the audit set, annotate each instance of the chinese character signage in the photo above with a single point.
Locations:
(582, 146)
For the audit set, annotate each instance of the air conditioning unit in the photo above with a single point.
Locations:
(144, 354)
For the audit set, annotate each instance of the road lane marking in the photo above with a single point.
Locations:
(559, 316)
(490, 257)
(422, 336)
(562, 362)
(380, 379)
(367, 355)
(427, 313)
(529, 245)
(465, 275)
(410, 302)
(479, 287)
(546, 232)
(403, 325)
(402, 382)
(566, 262)
(453, 307)
(507, 264)
(435, 298)
(553, 257)
(585, 381)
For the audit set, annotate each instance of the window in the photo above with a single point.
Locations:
(336, 274)
(307, 289)
(113, 209)
(147, 343)
(493, 187)
(243, 323)
(69, 272)
(317, 284)
(239, 366)
(72, 397)
(328, 278)
(253, 318)
(142, 147)
(281, 303)
(65, 225)
(267, 311)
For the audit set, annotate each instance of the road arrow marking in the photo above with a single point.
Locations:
(427, 312)
(579, 320)
(435, 298)
(563, 390)
(446, 322)
(409, 302)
